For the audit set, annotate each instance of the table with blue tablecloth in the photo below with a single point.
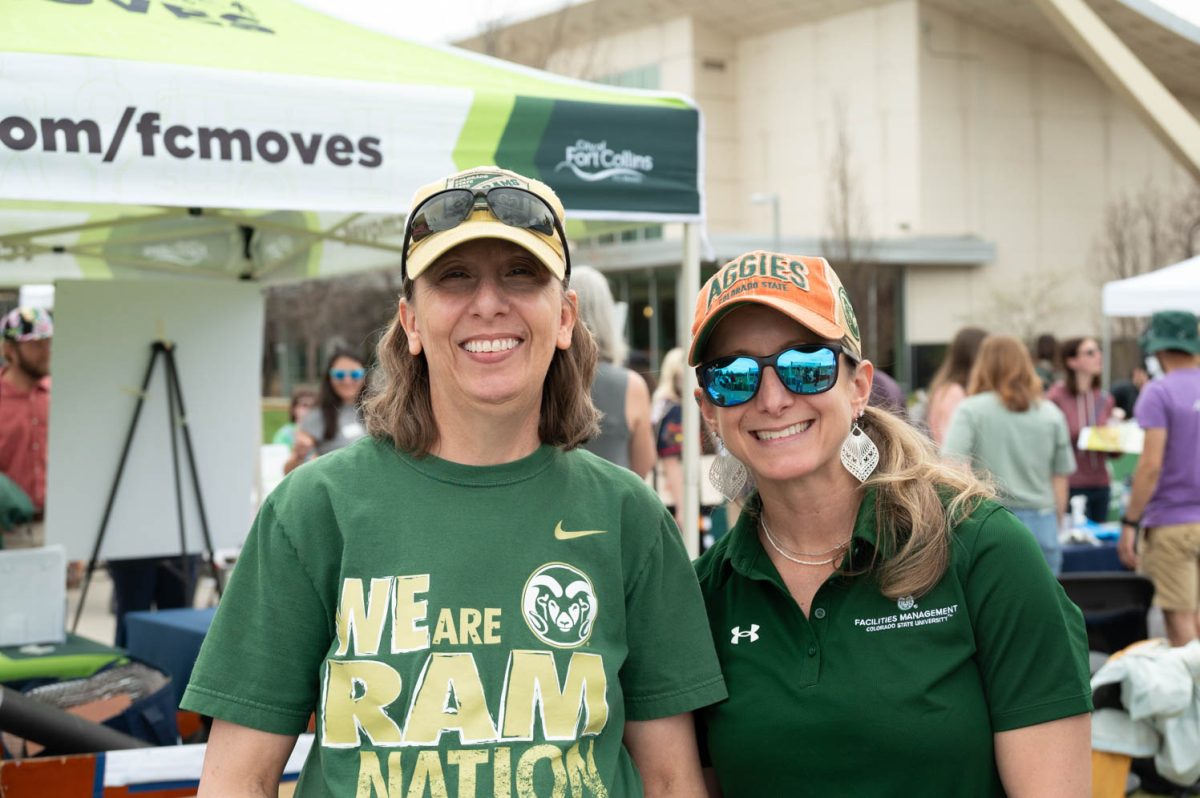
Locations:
(169, 640)
(1091, 557)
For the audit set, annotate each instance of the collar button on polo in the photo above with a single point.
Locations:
(812, 651)
(819, 613)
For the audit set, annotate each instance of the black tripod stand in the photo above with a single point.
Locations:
(177, 420)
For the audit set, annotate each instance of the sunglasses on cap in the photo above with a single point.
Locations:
(804, 369)
(347, 374)
(515, 207)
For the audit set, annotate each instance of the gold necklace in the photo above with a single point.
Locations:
(837, 550)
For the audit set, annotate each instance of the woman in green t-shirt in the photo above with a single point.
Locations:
(467, 602)
(884, 627)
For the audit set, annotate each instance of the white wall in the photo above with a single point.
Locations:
(1023, 147)
(792, 85)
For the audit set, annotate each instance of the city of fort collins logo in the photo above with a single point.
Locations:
(559, 605)
(591, 161)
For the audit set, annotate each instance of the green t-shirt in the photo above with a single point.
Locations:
(877, 697)
(459, 630)
(1022, 451)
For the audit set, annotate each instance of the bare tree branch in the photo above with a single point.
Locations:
(848, 244)
(1145, 231)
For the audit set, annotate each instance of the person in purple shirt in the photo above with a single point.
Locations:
(887, 394)
(1165, 500)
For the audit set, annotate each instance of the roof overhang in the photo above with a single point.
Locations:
(1168, 45)
(938, 251)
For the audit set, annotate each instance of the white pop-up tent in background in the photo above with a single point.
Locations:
(102, 346)
(1174, 287)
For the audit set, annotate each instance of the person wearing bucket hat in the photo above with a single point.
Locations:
(1164, 500)
(867, 587)
(467, 600)
(25, 336)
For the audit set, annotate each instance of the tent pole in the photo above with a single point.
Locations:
(1106, 378)
(689, 288)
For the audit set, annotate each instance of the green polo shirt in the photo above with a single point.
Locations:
(877, 697)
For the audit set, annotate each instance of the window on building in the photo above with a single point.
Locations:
(652, 232)
(643, 77)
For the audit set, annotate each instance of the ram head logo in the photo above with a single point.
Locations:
(559, 604)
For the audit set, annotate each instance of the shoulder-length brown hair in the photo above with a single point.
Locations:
(960, 355)
(1004, 366)
(398, 406)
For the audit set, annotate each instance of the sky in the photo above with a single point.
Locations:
(431, 22)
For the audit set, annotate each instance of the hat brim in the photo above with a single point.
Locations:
(1155, 345)
(808, 318)
(423, 254)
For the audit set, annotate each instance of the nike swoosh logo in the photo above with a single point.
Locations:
(562, 534)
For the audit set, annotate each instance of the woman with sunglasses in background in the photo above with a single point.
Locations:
(884, 627)
(1085, 404)
(337, 419)
(469, 602)
(1005, 431)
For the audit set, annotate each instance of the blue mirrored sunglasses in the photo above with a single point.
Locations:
(805, 369)
(347, 374)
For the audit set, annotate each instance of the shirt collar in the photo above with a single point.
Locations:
(42, 385)
(745, 554)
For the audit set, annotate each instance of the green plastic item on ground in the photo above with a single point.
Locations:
(76, 658)
(15, 506)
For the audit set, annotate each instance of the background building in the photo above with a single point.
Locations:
(957, 154)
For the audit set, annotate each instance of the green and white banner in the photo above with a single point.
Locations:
(260, 138)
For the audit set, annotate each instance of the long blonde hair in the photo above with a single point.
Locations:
(670, 377)
(919, 500)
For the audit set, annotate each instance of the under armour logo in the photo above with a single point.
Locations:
(738, 633)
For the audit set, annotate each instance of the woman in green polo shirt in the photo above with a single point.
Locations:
(884, 627)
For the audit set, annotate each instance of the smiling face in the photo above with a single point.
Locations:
(347, 387)
(488, 317)
(780, 435)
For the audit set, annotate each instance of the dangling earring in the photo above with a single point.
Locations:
(860, 455)
(727, 473)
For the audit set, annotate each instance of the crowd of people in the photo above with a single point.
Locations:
(473, 572)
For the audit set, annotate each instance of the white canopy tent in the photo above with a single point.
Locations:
(146, 140)
(1175, 287)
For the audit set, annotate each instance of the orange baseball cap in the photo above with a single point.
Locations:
(801, 287)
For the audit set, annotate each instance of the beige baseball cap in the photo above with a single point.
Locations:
(804, 288)
(549, 249)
